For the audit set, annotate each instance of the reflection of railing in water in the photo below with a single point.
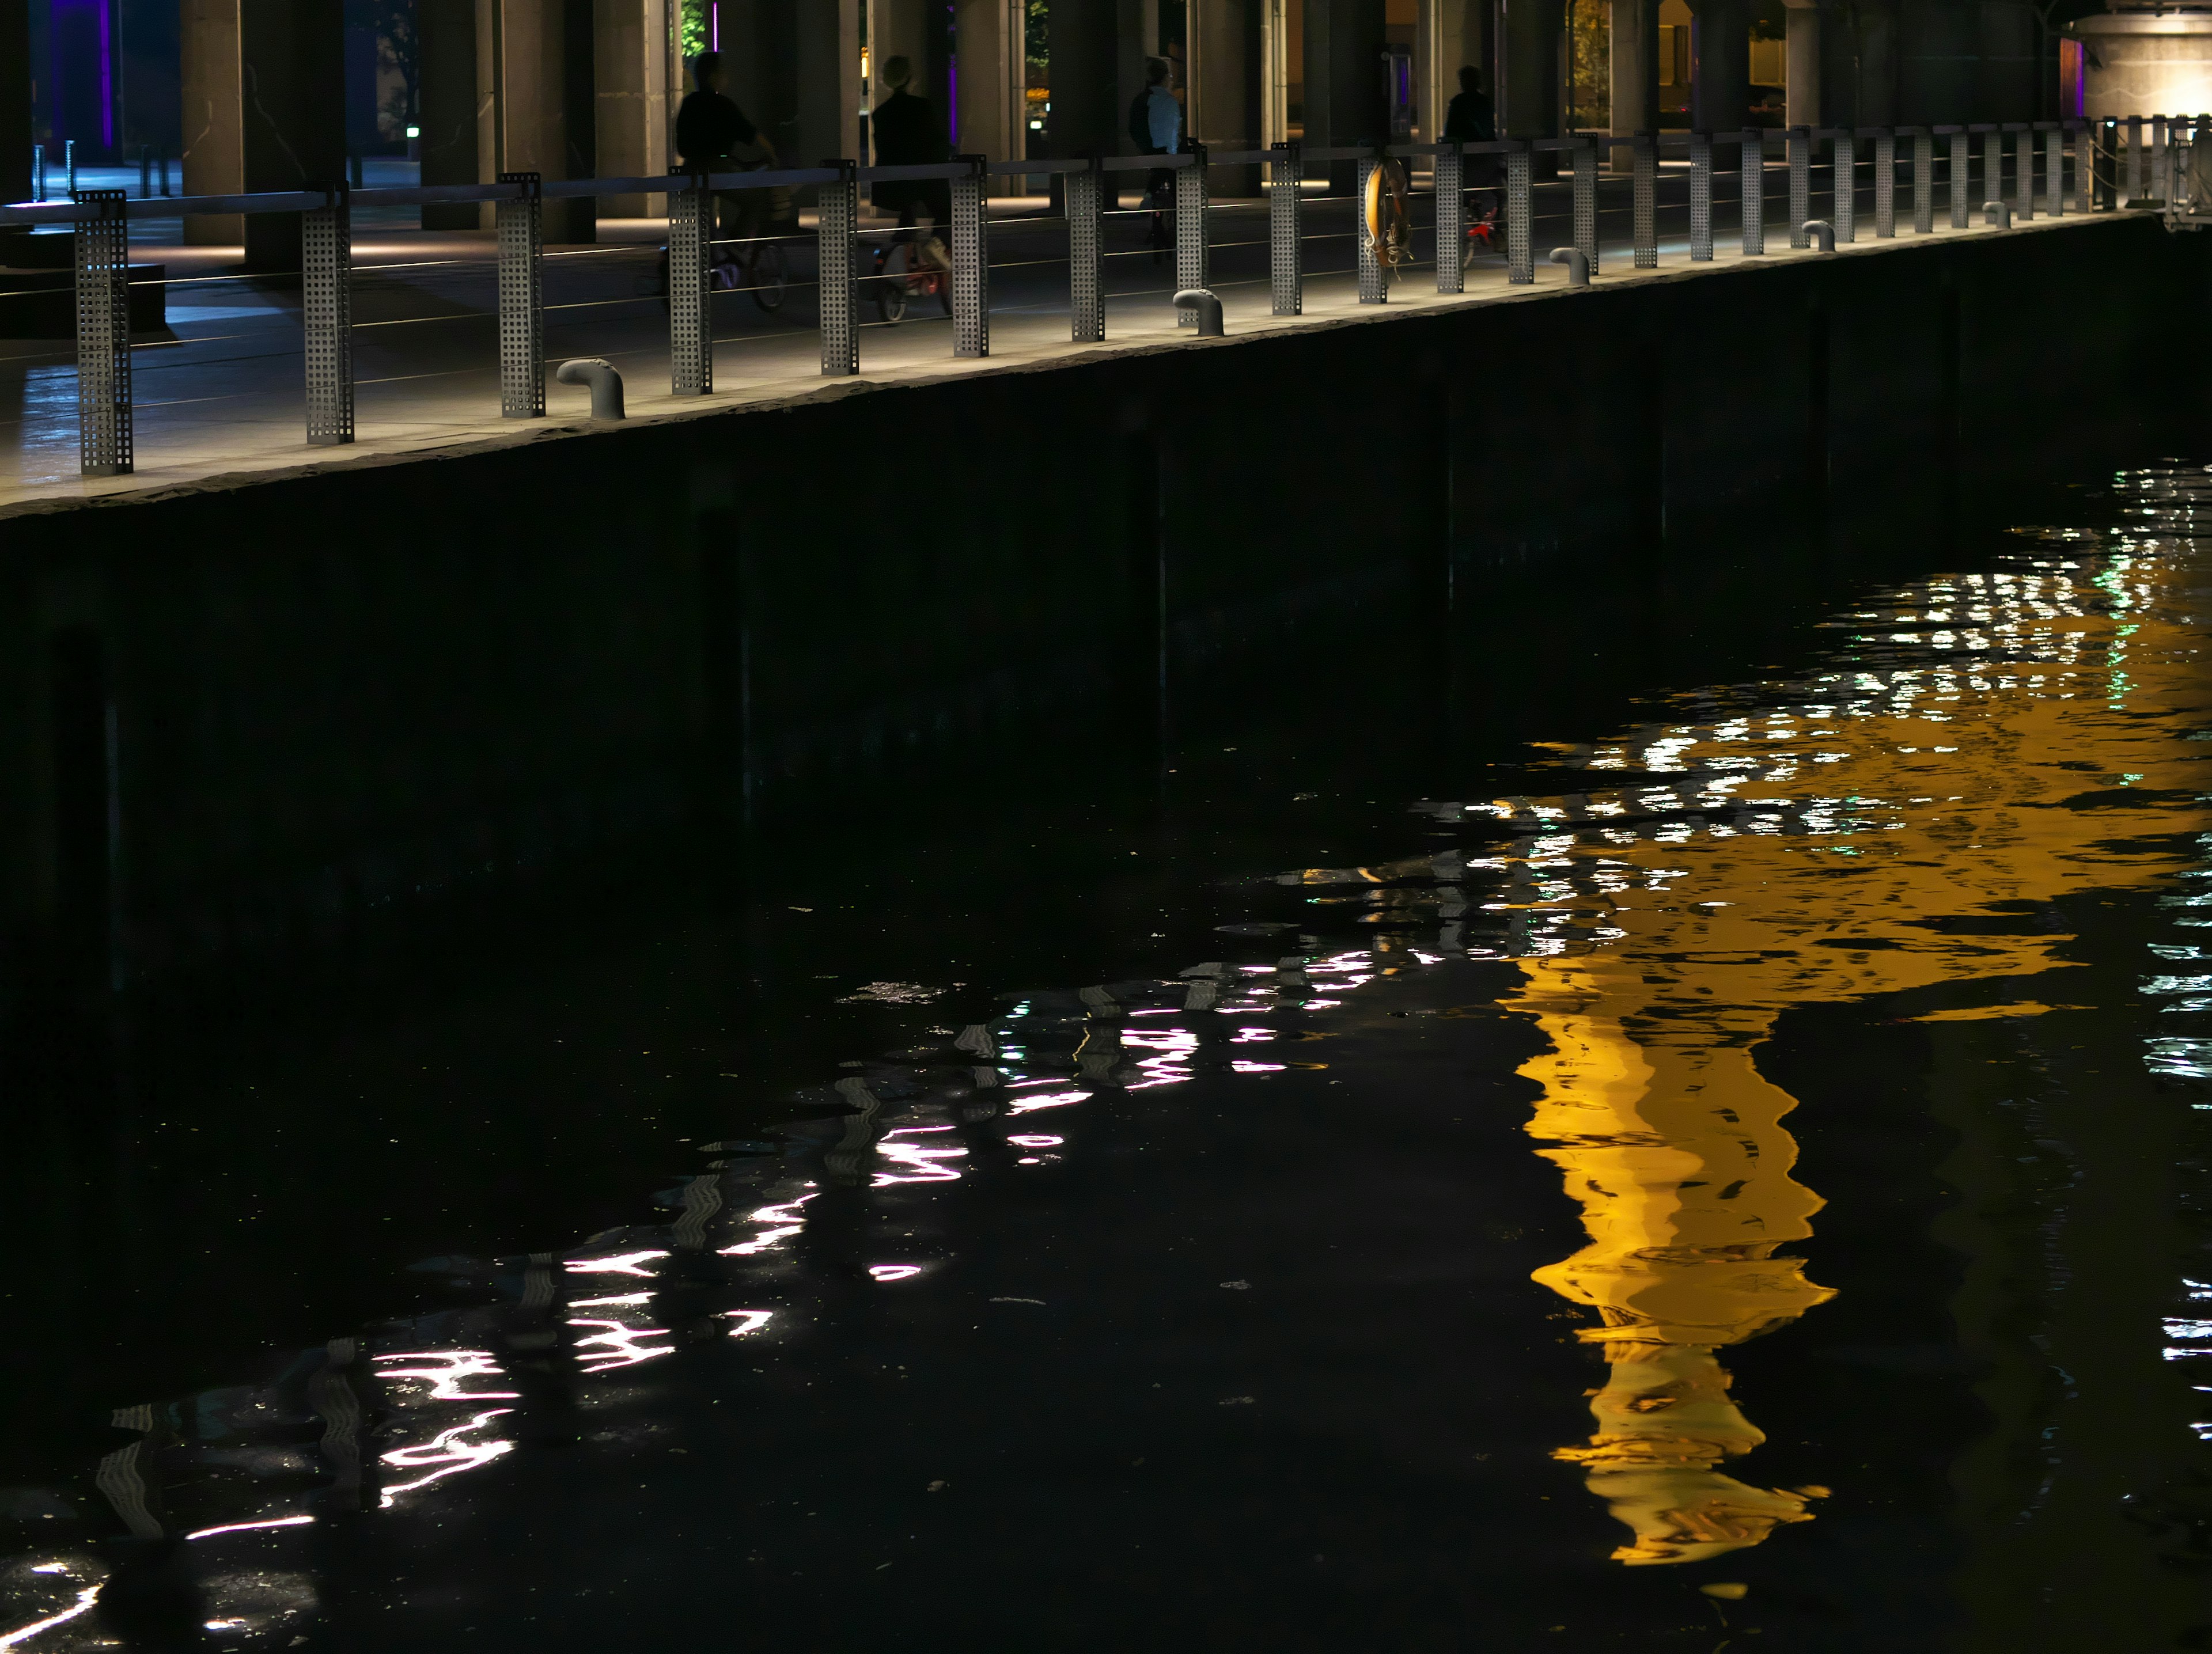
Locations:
(104, 398)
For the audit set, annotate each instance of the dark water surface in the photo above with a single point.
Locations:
(1681, 1124)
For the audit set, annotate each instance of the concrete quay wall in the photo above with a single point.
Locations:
(241, 719)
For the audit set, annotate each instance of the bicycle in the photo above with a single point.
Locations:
(1481, 238)
(759, 263)
(901, 276)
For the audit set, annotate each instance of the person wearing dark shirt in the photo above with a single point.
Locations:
(709, 129)
(1471, 118)
(906, 133)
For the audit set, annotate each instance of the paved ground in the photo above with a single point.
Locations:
(221, 389)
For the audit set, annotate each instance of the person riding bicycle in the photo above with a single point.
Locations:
(1471, 118)
(1156, 124)
(710, 129)
(908, 133)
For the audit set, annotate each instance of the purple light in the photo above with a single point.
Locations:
(107, 81)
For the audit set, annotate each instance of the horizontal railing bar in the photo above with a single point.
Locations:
(67, 212)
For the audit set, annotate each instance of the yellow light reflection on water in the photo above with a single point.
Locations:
(1795, 853)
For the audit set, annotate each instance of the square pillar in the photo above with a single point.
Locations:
(1345, 96)
(1720, 68)
(1802, 45)
(15, 103)
(1635, 43)
(634, 46)
(1224, 95)
(263, 110)
(989, 43)
(214, 161)
(456, 144)
(1098, 49)
(1530, 77)
(825, 83)
(508, 86)
(1452, 32)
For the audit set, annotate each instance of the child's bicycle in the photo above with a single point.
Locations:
(902, 276)
(1481, 240)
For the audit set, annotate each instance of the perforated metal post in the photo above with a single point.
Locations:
(837, 211)
(2106, 160)
(1842, 150)
(2054, 173)
(1801, 185)
(2023, 173)
(1647, 201)
(1194, 226)
(691, 233)
(1961, 184)
(1086, 288)
(1585, 201)
(1701, 198)
(521, 230)
(2084, 146)
(1751, 180)
(2135, 159)
(1373, 289)
(105, 447)
(326, 305)
(2160, 187)
(1992, 166)
(1452, 219)
(1519, 227)
(1285, 252)
(1885, 184)
(971, 271)
(1924, 182)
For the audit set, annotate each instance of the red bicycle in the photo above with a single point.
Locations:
(903, 275)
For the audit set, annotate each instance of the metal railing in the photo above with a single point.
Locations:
(2079, 164)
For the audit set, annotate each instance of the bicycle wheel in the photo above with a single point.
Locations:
(890, 284)
(771, 275)
(940, 282)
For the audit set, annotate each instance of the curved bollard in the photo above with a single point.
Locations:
(1208, 308)
(1823, 233)
(1999, 215)
(605, 380)
(1577, 263)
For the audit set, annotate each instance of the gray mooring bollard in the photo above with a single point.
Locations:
(1823, 234)
(605, 383)
(1998, 215)
(1577, 263)
(1208, 308)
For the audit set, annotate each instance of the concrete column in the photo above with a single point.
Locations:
(987, 42)
(1225, 95)
(1878, 77)
(633, 46)
(508, 86)
(1529, 67)
(1720, 66)
(1635, 74)
(1098, 49)
(1451, 35)
(1346, 100)
(825, 99)
(457, 124)
(1803, 25)
(214, 161)
(264, 109)
(15, 103)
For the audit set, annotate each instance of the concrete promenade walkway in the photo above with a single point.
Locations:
(220, 394)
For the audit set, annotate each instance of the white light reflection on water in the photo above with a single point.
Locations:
(448, 1453)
